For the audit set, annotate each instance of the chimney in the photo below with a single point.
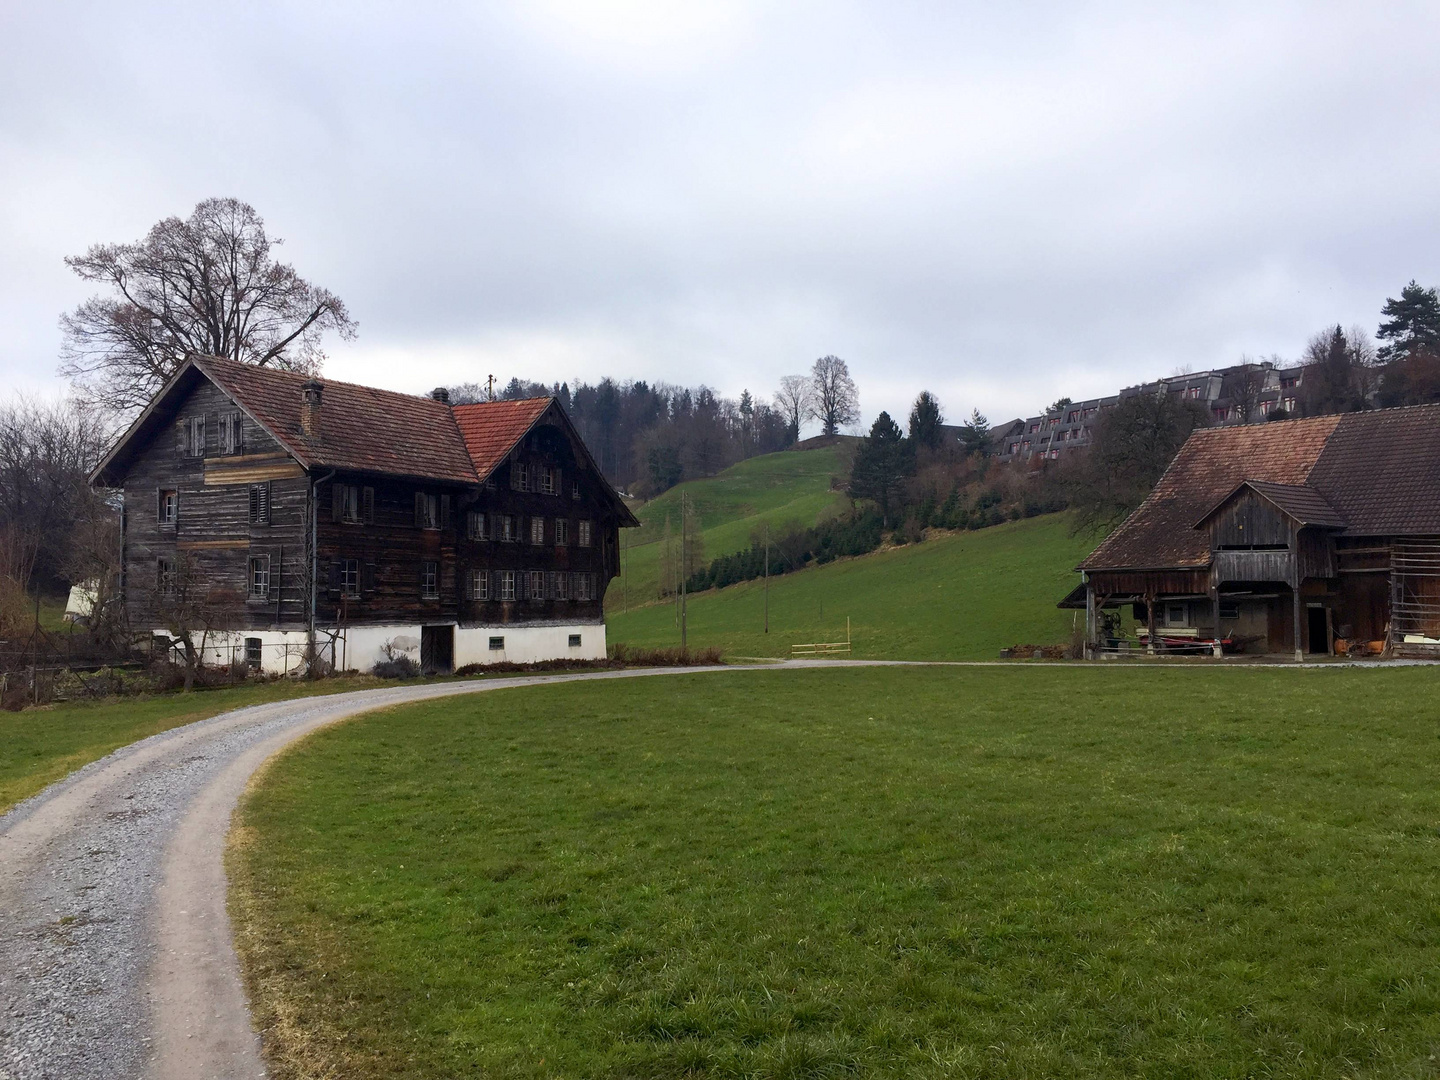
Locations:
(441, 395)
(310, 408)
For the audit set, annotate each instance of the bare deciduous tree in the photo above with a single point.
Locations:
(793, 401)
(836, 402)
(207, 285)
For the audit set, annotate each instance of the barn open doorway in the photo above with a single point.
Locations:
(1319, 630)
(437, 649)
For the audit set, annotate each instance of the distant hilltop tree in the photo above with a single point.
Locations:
(835, 401)
(925, 421)
(207, 285)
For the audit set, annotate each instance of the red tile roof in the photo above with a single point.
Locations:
(361, 428)
(491, 429)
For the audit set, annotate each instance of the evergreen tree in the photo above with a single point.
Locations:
(882, 462)
(1411, 325)
(975, 437)
(925, 421)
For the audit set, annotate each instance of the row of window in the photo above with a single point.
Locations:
(480, 584)
(511, 529)
(190, 435)
(541, 479)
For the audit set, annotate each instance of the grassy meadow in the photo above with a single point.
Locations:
(919, 872)
(782, 490)
(961, 596)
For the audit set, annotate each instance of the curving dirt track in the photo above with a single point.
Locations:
(116, 959)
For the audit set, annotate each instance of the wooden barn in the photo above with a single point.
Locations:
(1303, 536)
(277, 517)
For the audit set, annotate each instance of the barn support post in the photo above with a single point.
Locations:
(1090, 635)
(1150, 622)
(1215, 608)
(1299, 641)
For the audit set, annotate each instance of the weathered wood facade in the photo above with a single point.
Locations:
(1293, 537)
(256, 503)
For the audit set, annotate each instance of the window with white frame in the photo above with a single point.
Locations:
(537, 530)
(549, 478)
(583, 532)
(508, 533)
(562, 532)
(537, 585)
(506, 583)
(584, 587)
(346, 505)
(350, 578)
(560, 585)
(479, 584)
(519, 476)
(429, 580)
(167, 507)
(259, 577)
(475, 525)
(427, 510)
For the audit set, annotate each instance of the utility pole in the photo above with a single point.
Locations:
(683, 524)
(767, 577)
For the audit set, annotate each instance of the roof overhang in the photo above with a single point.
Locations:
(1307, 508)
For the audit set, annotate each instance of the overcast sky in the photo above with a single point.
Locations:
(1001, 203)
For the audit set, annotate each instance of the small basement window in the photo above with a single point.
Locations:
(574, 641)
(1229, 609)
(252, 653)
(497, 643)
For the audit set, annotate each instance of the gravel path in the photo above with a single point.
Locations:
(116, 959)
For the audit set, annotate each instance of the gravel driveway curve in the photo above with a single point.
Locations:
(116, 959)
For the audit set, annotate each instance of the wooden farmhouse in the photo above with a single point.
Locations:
(1301, 536)
(281, 517)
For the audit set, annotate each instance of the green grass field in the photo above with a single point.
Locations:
(963, 596)
(40, 746)
(789, 488)
(1018, 872)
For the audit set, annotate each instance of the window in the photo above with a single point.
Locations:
(168, 507)
(549, 478)
(165, 575)
(427, 511)
(1229, 609)
(519, 476)
(231, 430)
(1014, 448)
(1288, 404)
(507, 584)
(508, 533)
(345, 503)
(252, 653)
(350, 578)
(575, 489)
(429, 580)
(1289, 381)
(192, 436)
(537, 530)
(497, 643)
(560, 585)
(1193, 392)
(1265, 407)
(562, 532)
(259, 577)
(1176, 615)
(479, 585)
(582, 534)
(537, 585)
(1072, 416)
(367, 505)
(574, 641)
(584, 587)
(260, 503)
(475, 523)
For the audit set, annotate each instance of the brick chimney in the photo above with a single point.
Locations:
(310, 408)
(441, 395)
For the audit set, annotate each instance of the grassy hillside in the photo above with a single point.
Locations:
(960, 597)
(791, 487)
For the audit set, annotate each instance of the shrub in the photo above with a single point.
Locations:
(396, 665)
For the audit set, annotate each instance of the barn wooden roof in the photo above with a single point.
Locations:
(1300, 501)
(1375, 473)
(361, 428)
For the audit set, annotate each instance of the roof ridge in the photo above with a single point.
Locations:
(317, 377)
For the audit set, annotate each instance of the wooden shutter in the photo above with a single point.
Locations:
(265, 503)
(367, 505)
(444, 511)
(334, 577)
(419, 509)
(180, 436)
(367, 582)
(337, 501)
